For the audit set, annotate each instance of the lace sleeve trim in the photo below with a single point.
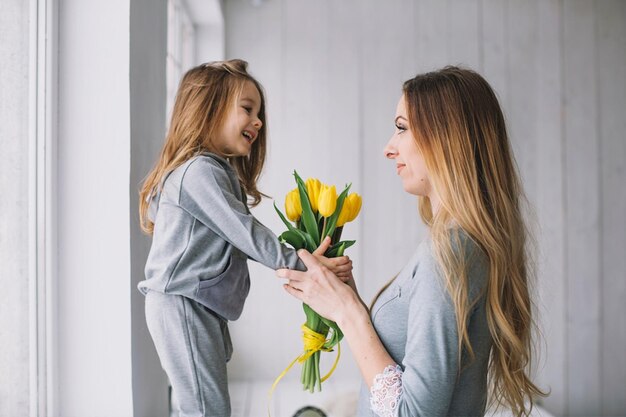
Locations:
(386, 391)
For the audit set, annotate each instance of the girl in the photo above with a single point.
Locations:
(457, 319)
(194, 203)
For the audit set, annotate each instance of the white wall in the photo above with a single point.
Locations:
(333, 73)
(111, 71)
(15, 217)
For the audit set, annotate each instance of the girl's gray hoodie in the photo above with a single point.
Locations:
(203, 236)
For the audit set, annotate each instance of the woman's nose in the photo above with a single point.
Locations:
(390, 150)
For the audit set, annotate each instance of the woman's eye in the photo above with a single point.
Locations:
(400, 128)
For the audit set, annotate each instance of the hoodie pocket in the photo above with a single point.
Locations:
(226, 293)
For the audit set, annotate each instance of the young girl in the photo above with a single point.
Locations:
(194, 203)
(456, 324)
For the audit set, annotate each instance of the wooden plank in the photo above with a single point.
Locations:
(464, 33)
(522, 73)
(239, 391)
(262, 321)
(611, 75)
(551, 279)
(493, 48)
(432, 34)
(390, 216)
(582, 209)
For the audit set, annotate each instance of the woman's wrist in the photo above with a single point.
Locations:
(352, 313)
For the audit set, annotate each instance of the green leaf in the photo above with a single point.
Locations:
(308, 218)
(310, 244)
(331, 223)
(338, 248)
(312, 318)
(295, 239)
(282, 217)
(336, 336)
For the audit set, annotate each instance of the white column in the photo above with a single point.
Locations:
(94, 303)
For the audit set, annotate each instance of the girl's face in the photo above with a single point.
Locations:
(402, 148)
(242, 124)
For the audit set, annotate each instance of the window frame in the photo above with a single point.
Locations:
(42, 224)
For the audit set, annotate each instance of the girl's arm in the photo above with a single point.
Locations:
(210, 193)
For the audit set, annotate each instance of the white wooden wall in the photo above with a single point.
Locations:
(16, 220)
(333, 72)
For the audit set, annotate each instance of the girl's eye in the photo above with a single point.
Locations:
(248, 109)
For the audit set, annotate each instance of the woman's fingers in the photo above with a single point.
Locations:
(291, 274)
(308, 259)
(293, 291)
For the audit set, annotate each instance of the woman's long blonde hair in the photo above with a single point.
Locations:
(205, 96)
(460, 131)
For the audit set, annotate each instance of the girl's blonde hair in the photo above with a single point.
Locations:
(206, 94)
(460, 131)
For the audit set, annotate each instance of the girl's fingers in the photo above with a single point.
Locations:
(344, 276)
(342, 260)
(323, 247)
(345, 267)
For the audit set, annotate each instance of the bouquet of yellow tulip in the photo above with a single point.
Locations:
(317, 212)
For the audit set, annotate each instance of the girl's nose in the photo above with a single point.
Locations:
(390, 150)
(257, 124)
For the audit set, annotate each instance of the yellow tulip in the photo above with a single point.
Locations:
(327, 202)
(293, 207)
(346, 211)
(355, 205)
(313, 186)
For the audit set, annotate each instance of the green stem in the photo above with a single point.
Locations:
(312, 373)
(323, 235)
(317, 371)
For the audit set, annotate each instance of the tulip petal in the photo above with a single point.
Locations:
(331, 223)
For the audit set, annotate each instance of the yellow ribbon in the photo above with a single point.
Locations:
(313, 342)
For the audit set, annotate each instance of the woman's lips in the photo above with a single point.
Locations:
(399, 167)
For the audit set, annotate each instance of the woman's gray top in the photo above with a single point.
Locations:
(204, 235)
(416, 322)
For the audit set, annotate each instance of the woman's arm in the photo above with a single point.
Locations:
(330, 297)
(424, 382)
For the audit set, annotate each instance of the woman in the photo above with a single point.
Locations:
(455, 324)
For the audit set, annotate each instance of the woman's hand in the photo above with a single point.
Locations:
(340, 266)
(320, 288)
(330, 297)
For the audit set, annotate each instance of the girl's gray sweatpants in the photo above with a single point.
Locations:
(193, 345)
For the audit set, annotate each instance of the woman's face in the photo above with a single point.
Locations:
(402, 148)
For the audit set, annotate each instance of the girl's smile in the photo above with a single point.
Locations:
(242, 125)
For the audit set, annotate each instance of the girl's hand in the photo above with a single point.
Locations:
(340, 266)
(320, 288)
